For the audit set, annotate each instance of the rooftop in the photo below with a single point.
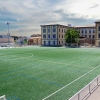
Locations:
(97, 21)
(85, 26)
(54, 25)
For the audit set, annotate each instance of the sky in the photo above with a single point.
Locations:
(26, 16)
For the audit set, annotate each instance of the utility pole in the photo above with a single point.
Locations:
(8, 32)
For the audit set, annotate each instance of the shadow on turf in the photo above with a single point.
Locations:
(13, 98)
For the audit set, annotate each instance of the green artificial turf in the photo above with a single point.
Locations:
(33, 73)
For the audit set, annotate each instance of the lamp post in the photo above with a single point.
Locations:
(8, 32)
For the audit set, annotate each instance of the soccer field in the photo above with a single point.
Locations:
(33, 73)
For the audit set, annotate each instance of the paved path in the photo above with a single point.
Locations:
(95, 95)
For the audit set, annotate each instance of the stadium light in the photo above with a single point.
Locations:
(8, 32)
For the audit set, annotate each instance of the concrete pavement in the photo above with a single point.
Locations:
(95, 95)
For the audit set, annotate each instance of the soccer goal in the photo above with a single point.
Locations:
(3, 97)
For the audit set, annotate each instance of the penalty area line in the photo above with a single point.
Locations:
(70, 83)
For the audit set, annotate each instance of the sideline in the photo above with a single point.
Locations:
(70, 83)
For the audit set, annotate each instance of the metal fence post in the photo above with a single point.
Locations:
(97, 81)
(89, 89)
(79, 96)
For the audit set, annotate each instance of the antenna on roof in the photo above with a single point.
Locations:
(69, 25)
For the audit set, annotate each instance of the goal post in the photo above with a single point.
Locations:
(2, 97)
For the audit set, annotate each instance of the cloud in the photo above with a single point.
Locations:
(26, 16)
(94, 6)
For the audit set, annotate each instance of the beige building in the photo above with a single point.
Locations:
(86, 31)
(53, 35)
(87, 35)
(97, 34)
(35, 39)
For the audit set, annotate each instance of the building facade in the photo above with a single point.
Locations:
(87, 31)
(53, 35)
(87, 35)
(35, 39)
(97, 35)
(6, 39)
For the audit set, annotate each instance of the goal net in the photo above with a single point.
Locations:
(3, 97)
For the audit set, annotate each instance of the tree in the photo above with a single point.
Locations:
(72, 35)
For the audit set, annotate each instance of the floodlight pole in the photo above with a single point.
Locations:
(8, 31)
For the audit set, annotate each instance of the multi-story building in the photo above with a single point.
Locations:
(87, 35)
(97, 33)
(86, 31)
(53, 35)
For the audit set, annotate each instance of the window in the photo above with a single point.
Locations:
(93, 36)
(54, 29)
(59, 35)
(44, 26)
(53, 42)
(85, 31)
(98, 28)
(93, 31)
(59, 30)
(54, 26)
(44, 36)
(62, 30)
(98, 35)
(49, 30)
(44, 43)
(59, 42)
(86, 36)
(82, 31)
(89, 36)
(49, 36)
(49, 43)
(62, 36)
(44, 30)
(54, 35)
(89, 31)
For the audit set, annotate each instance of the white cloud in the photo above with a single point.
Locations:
(81, 7)
(28, 15)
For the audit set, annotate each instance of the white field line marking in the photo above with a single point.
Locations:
(11, 54)
(16, 57)
(70, 83)
(21, 57)
(72, 63)
(38, 59)
(41, 60)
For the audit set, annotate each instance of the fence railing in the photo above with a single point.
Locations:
(84, 93)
